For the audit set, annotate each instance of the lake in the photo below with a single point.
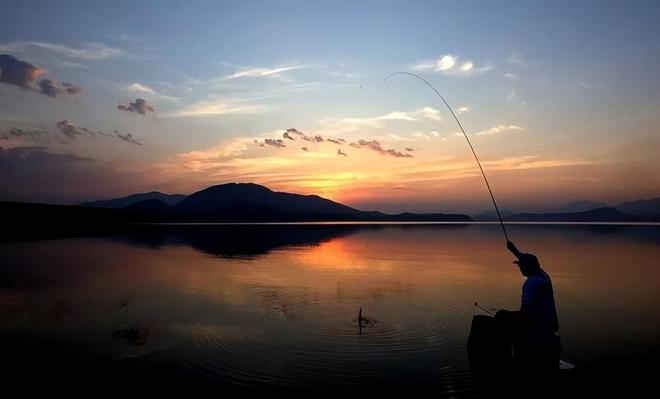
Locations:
(276, 306)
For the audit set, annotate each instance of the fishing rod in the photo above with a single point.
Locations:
(484, 309)
(492, 197)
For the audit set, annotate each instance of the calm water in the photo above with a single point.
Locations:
(276, 306)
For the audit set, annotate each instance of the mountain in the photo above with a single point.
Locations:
(247, 202)
(581, 206)
(149, 206)
(594, 215)
(641, 207)
(488, 215)
(121, 202)
(233, 202)
(571, 207)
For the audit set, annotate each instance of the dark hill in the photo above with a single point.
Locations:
(594, 215)
(122, 202)
(641, 207)
(234, 202)
(252, 202)
(149, 206)
(581, 206)
(247, 202)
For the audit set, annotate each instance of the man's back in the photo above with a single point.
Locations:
(538, 308)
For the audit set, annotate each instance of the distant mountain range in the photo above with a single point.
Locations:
(641, 207)
(585, 211)
(595, 215)
(247, 202)
(121, 202)
(581, 206)
(233, 202)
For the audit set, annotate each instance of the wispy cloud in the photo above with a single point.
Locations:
(499, 129)
(532, 162)
(140, 106)
(306, 86)
(338, 141)
(278, 143)
(273, 72)
(53, 88)
(212, 108)
(421, 135)
(352, 124)
(70, 130)
(73, 131)
(24, 75)
(18, 133)
(18, 72)
(137, 88)
(462, 110)
(23, 136)
(518, 60)
(291, 134)
(128, 138)
(449, 64)
(375, 145)
(88, 51)
(68, 64)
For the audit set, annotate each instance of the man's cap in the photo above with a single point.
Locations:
(527, 260)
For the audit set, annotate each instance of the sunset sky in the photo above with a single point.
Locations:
(105, 99)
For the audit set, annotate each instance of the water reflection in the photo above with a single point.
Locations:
(239, 241)
(277, 306)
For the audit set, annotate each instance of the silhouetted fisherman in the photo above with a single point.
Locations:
(534, 329)
(516, 353)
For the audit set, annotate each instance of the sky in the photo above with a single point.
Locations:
(105, 99)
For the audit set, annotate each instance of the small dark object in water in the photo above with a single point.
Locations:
(134, 335)
(123, 304)
(363, 321)
(61, 310)
(360, 320)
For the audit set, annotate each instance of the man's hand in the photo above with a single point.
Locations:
(512, 247)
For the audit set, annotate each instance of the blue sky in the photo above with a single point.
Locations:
(561, 98)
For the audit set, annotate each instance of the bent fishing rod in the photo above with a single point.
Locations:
(492, 197)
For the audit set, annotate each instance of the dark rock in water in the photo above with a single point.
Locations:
(503, 365)
(134, 335)
(490, 358)
(487, 346)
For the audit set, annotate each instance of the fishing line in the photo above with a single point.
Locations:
(492, 197)
(484, 309)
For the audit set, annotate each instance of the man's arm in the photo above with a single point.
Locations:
(512, 247)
